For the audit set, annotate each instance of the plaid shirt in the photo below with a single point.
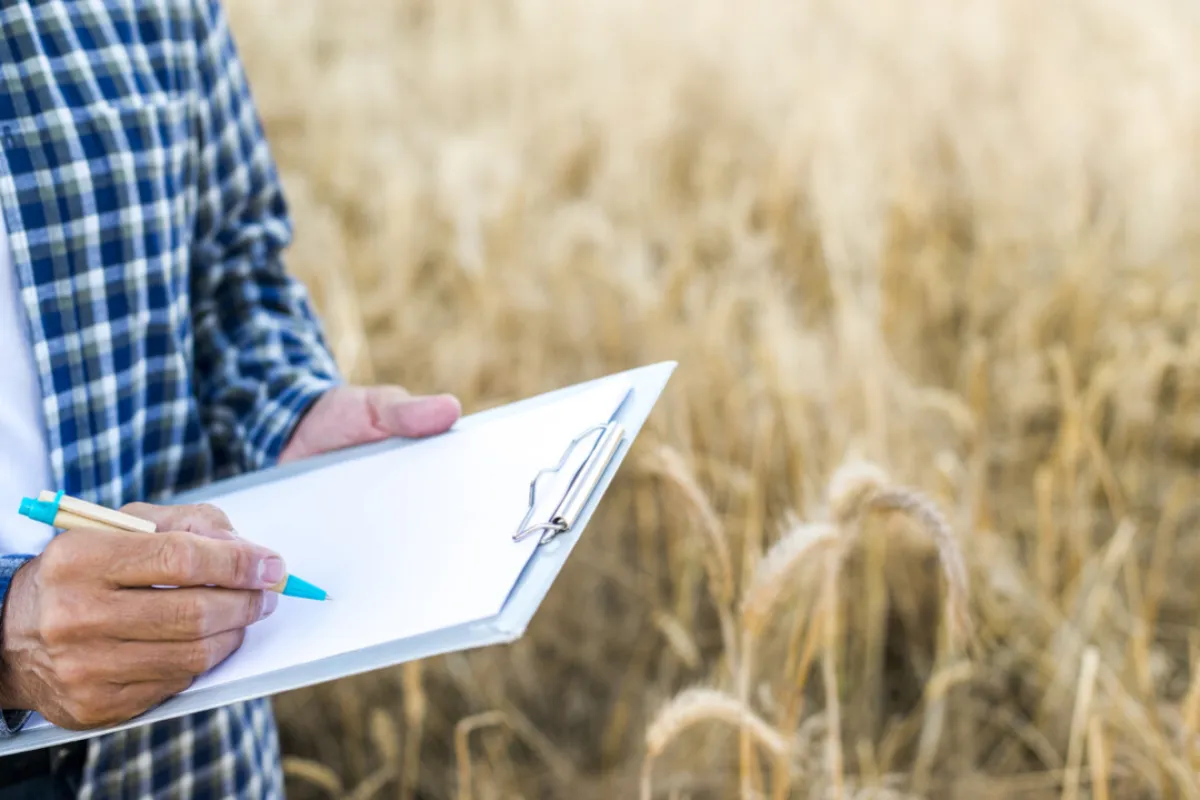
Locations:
(146, 222)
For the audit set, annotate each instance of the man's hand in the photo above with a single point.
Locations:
(86, 640)
(353, 415)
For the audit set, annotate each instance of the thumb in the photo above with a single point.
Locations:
(352, 415)
(392, 411)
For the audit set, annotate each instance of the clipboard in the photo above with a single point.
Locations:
(571, 493)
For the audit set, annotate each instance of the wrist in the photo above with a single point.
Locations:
(14, 636)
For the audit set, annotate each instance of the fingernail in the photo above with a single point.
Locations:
(269, 603)
(270, 571)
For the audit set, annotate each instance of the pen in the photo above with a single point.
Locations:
(65, 512)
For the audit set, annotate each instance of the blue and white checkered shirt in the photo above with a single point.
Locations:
(146, 222)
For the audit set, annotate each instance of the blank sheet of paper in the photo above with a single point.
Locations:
(409, 541)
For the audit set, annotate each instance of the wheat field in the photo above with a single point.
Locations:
(918, 515)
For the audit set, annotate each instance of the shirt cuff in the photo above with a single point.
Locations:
(11, 720)
(287, 398)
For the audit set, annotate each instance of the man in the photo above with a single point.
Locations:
(150, 341)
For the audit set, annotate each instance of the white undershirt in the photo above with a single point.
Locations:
(24, 456)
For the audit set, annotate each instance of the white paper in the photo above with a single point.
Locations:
(410, 541)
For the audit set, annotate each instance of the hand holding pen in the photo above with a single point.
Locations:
(70, 513)
(88, 642)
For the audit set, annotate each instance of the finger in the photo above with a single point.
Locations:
(187, 615)
(144, 662)
(200, 518)
(104, 704)
(179, 558)
(138, 698)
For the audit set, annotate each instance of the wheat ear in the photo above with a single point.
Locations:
(859, 488)
(692, 706)
(696, 705)
(770, 577)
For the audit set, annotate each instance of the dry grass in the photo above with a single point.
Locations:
(955, 242)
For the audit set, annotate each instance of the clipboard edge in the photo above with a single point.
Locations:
(546, 563)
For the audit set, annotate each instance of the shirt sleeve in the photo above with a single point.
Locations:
(11, 720)
(260, 355)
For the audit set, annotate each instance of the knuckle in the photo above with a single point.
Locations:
(139, 509)
(201, 518)
(177, 555)
(224, 646)
(50, 559)
(57, 624)
(253, 606)
(58, 556)
(190, 617)
(244, 566)
(198, 657)
(213, 515)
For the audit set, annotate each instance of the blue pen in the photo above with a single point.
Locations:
(64, 512)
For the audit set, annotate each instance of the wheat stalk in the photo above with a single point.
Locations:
(767, 585)
(1098, 757)
(1190, 707)
(833, 714)
(314, 773)
(667, 463)
(462, 745)
(699, 705)
(414, 718)
(1083, 704)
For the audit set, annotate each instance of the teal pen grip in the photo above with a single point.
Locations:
(40, 510)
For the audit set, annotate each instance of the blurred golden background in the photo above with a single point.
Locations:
(918, 514)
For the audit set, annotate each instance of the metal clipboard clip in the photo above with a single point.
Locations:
(583, 483)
